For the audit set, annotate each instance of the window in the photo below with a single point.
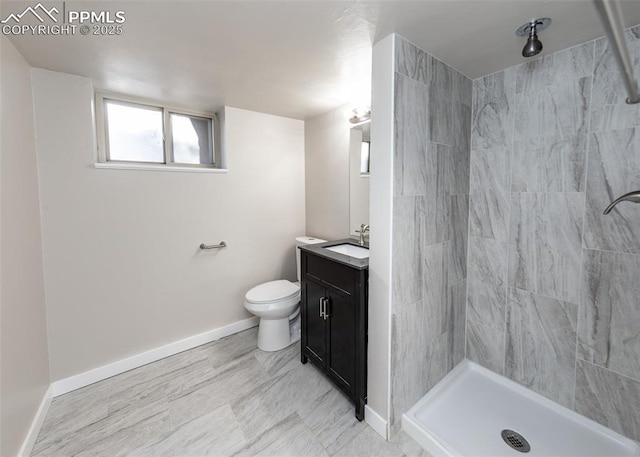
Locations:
(132, 131)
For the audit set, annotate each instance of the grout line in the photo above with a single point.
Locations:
(617, 373)
(506, 280)
(550, 297)
(584, 221)
(609, 250)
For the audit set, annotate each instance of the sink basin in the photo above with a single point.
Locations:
(358, 252)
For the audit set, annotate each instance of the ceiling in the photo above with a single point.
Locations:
(296, 58)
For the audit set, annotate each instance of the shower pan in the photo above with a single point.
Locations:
(475, 412)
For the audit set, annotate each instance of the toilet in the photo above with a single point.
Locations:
(277, 304)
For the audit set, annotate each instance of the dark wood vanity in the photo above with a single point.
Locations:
(334, 317)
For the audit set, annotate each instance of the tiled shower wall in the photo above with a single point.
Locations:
(432, 112)
(553, 284)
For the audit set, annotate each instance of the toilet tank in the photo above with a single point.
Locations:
(303, 241)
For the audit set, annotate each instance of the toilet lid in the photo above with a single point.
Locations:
(272, 291)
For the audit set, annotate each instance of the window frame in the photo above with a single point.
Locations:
(167, 134)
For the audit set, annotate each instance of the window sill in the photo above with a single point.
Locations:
(151, 167)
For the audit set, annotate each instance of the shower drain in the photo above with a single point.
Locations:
(515, 440)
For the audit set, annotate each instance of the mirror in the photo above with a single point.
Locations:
(359, 147)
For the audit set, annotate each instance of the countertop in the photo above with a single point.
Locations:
(318, 249)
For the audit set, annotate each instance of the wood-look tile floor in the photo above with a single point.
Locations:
(225, 398)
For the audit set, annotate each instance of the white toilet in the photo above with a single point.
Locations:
(277, 303)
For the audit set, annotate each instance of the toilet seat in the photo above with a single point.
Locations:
(273, 292)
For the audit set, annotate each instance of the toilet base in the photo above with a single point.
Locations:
(274, 334)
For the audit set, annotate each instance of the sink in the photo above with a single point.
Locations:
(358, 252)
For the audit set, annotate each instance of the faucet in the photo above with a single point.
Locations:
(363, 229)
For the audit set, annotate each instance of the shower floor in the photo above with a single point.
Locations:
(466, 412)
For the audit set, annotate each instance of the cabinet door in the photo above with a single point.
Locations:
(316, 338)
(342, 339)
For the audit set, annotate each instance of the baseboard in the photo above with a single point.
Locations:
(376, 422)
(71, 383)
(36, 424)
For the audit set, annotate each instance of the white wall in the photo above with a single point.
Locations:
(24, 366)
(123, 271)
(327, 139)
(380, 210)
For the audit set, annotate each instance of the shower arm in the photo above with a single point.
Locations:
(630, 197)
(611, 17)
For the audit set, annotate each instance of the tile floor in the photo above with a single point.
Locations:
(225, 398)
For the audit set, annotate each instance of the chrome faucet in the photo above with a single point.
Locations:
(363, 229)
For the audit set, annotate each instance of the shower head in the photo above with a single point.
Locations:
(530, 30)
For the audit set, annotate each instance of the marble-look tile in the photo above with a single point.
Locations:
(369, 443)
(486, 303)
(608, 398)
(485, 346)
(160, 380)
(493, 100)
(457, 323)
(71, 412)
(462, 90)
(608, 88)
(438, 176)
(609, 324)
(252, 414)
(254, 417)
(540, 344)
(250, 406)
(408, 361)
(440, 114)
(458, 237)
(226, 350)
(294, 391)
(440, 79)
(461, 148)
(489, 193)
(410, 60)
(231, 382)
(550, 138)
(435, 294)
(331, 419)
(545, 247)
(438, 360)
(613, 170)
(410, 118)
(487, 260)
(196, 438)
(115, 434)
(289, 437)
(567, 65)
(615, 117)
(279, 362)
(407, 263)
(409, 446)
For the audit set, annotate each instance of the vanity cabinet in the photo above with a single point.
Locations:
(334, 323)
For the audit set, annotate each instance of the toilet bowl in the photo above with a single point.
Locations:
(277, 304)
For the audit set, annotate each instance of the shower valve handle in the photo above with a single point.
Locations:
(633, 196)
